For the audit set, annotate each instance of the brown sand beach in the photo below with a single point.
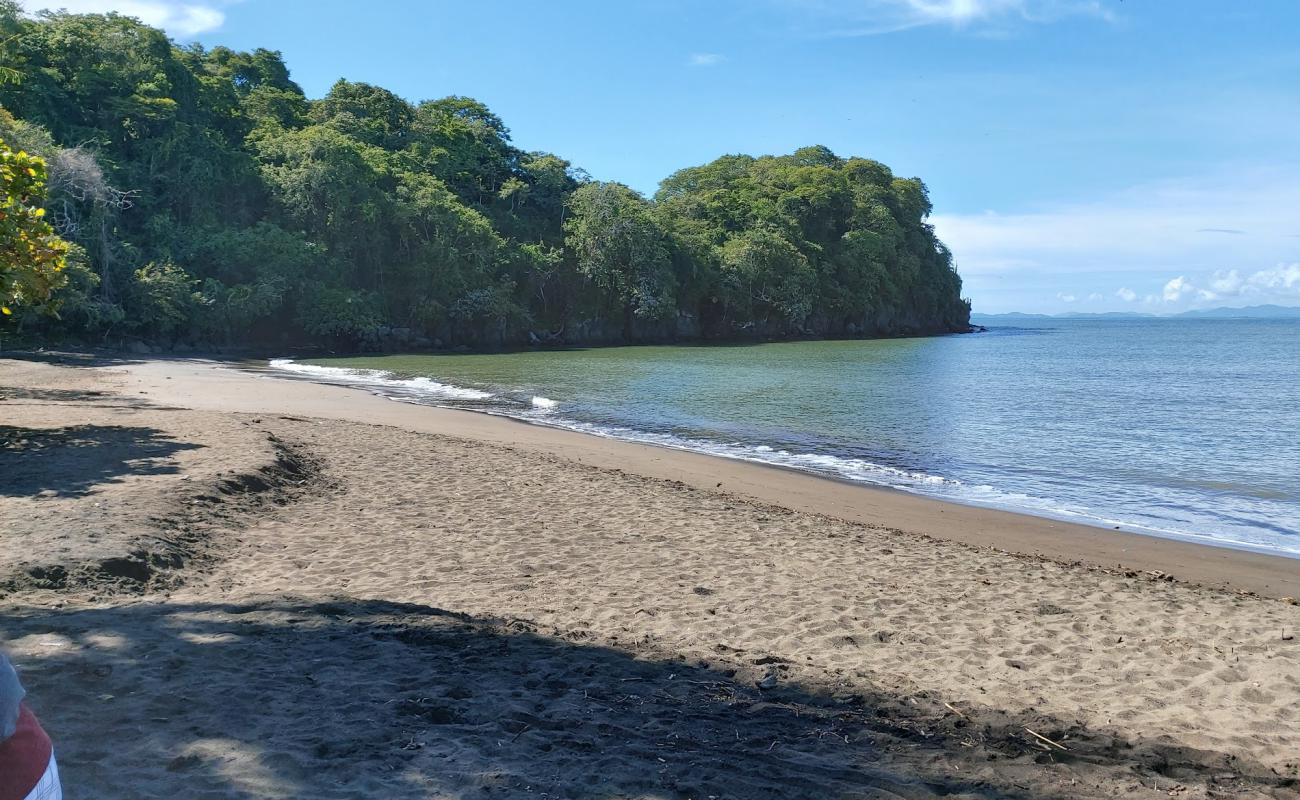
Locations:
(220, 584)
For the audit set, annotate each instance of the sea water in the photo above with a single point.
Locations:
(1181, 428)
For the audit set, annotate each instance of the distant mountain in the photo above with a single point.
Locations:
(1014, 316)
(1249, 312)
(1017, 316)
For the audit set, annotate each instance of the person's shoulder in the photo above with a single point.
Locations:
(11, 697)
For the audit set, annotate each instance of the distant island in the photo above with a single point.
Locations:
(207, 200)
(1248, 312)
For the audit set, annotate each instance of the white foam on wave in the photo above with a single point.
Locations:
(542, 410)
(380, 379)
(854, 469)
(860, 470)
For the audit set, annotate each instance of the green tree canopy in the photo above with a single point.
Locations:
(617, 243)
(31, 256)
(205, 198)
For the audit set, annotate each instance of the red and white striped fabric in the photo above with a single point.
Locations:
(27, 768)
(48, 787)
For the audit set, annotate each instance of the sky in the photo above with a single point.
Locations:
(1081, 155)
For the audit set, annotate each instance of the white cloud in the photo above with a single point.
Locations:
(1065, 298)
(1153, 229)
(180, 19)
(1139, 238)
(1279, 282)
(1228, 283)
(871, 17)
(705, 59)
(1177, 289)
(1095, 297)
(1284, 277)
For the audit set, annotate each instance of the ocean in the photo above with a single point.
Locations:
(1182, 428)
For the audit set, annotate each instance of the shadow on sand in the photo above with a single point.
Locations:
(286, 698)
(75, 358)
(70, 461)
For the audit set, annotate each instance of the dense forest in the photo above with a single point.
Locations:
(205, 200)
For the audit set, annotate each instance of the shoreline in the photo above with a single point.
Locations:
(1193, 539)
(913, 481)
(220, 388)
(223, 552)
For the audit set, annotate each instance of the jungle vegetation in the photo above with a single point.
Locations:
(205, 200)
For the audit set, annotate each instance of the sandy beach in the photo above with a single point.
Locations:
(219, 583)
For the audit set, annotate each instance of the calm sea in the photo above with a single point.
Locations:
(1183, 428)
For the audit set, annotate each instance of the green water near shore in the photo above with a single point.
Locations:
(1189, 428)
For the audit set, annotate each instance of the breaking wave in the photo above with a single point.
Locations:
(543, 410)
(380, 380)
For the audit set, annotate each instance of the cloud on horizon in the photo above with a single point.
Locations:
(180, 19)
(1222, 239)
(1266, 285)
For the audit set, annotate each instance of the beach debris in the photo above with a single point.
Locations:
(768, 681)
(1043, 739)
(1286, 637)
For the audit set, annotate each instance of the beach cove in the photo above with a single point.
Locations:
(275, 588)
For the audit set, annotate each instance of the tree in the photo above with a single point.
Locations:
(619, 246)
(334, 188)
(32, 257)
(828, 245)
(460, 141)
(768, 275)
(368, 113)
(163, 300)
(205, 196)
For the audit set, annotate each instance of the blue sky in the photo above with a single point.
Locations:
(1084, 155)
